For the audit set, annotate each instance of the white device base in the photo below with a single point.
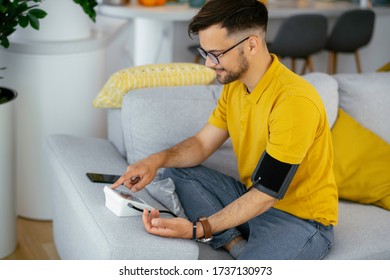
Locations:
(117, 201)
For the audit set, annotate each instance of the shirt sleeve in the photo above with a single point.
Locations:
(294, 124)
(218, 116)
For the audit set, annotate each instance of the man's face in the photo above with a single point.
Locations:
(233, 64)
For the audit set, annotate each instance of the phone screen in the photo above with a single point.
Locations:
(103, 178)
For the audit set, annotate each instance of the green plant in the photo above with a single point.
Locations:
(18, 12)
(88, 7)
(14, 13)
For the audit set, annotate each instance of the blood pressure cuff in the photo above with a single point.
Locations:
(272, 176)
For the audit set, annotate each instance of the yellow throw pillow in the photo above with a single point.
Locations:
(361, 163)
(384, 68)
(153, 75)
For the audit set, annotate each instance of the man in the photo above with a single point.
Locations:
(285, 205)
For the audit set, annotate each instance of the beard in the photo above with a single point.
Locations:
(233, 75)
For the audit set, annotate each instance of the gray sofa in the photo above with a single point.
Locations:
(154, 119)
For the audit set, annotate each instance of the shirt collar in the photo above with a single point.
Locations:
(262, 85)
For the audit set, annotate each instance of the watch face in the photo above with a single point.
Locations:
(204, 240)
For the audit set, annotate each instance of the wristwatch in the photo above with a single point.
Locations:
(206, 228)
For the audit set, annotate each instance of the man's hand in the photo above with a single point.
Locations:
(138, 174)
(176, 227)
(188, 153)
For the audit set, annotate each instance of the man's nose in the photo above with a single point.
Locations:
(209, 63)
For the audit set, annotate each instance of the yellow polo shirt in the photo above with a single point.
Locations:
(285, 116)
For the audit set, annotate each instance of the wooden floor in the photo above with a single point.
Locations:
(35, 241)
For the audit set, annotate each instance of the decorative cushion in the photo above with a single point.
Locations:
(153, 75)
(366, 97)
(384, 68)
(361, 163)
(327, 87)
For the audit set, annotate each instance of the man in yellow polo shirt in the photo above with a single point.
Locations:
(285, 205)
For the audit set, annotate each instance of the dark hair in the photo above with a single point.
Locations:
(234, 15)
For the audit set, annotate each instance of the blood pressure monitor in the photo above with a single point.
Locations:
(118, 200)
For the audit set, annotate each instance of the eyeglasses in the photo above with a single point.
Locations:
(215, 58)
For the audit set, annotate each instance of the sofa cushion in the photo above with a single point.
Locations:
(361, 234)
(361, 163)
(156, 119)
(327, 88)
(366, 97)
(115, 131)
(147, 76)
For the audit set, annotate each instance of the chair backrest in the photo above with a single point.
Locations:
(300, 36)
(352, 30)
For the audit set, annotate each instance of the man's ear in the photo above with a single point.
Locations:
(254, 44)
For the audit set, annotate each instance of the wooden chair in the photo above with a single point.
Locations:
(299, 37)
(352, 30)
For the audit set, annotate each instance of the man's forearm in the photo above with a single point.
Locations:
(241, 210)
(187, 153)
(193, 150)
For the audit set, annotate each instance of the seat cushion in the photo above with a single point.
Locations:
(362, 233)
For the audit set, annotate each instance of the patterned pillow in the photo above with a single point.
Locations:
(153, 75)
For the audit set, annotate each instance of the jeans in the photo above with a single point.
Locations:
(272, 235)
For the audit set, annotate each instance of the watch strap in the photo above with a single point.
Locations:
(208, 236)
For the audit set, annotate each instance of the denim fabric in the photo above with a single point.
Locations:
(272, 235)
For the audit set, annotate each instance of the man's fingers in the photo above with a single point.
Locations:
(156, 225)
(128, 180)
(147, 217)
(119, 182)
(176, 227)
(145, 220)
(134, 180)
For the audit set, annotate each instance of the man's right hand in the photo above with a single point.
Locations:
(188, 153)
(138, 175)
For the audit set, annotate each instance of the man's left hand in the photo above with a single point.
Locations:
(176, 227)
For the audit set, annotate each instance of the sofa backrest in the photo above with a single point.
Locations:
(366, 97)
(158, 118)
(327, 88)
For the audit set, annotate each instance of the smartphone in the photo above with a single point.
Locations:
(103, 178)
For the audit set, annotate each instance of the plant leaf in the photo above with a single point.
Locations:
(23, 21)
(38, 13)
(4, 42)
(34, 22)
(89, 7)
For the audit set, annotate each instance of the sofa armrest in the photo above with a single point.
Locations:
(83, 227)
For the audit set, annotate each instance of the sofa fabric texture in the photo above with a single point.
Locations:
(154, 119)
(364, 97)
